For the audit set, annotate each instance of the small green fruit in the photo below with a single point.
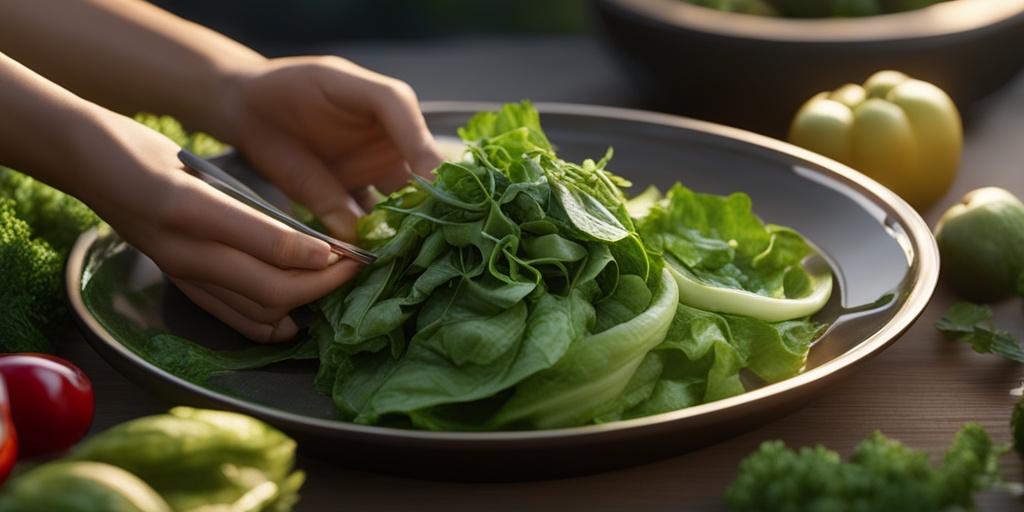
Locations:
(981, 244)
(80, 487)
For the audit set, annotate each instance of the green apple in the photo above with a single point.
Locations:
(981, 244)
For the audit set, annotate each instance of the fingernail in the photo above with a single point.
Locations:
(333, 258)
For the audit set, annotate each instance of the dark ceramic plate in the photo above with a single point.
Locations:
(883, 256)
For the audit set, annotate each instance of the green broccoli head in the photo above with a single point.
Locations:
(30, 279)
(881, 475)
(38, 226)
(51, 215)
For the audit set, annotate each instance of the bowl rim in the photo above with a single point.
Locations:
(937, 20)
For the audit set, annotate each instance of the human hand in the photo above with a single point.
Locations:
(325, 131)
(244, 268)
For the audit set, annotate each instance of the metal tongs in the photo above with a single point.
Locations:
(228, 184)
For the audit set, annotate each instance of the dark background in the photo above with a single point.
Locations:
(278, 27)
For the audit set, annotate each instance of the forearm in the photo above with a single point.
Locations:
(127, 55)
(73, 144)
(40, 123)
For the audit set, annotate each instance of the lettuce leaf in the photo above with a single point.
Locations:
(515, 291)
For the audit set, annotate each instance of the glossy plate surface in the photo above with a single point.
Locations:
(882, 254)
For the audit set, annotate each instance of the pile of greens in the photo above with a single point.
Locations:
(521, 291)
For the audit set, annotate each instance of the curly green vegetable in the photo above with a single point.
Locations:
(32, 303)
(881, 475)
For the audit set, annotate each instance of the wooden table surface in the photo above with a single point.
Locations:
(920, 391)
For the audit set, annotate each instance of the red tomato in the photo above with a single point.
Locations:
(51, 402)
(8, 439)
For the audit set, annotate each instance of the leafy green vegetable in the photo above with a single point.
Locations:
(970, 323)
(515, 292)
(726, 260)
(52, 215)
(196, 363)
(74, 486)
(32, 307)
(201, 459)
(881, 475)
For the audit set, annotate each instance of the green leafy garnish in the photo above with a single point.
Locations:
(881, 475)
(971, 323)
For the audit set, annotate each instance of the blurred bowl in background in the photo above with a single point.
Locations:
(754, 72)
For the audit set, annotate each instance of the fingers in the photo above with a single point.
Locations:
(262, 283)
(281, 330)
(211, 215)
(246, 269)
(304, 177)
(399, 112)
(268, 240)
(395, 106)
(258, 306)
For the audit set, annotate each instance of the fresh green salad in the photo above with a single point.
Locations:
(521, 291)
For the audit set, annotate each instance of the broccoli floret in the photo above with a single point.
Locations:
(881, 475)
(51, 215)
(31, 304)
(38, 226)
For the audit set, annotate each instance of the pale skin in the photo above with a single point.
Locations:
(323, 129)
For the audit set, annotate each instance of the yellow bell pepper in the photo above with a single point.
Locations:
(904, 133)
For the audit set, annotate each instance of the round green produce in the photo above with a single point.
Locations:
(981, 244)
(80, 486)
